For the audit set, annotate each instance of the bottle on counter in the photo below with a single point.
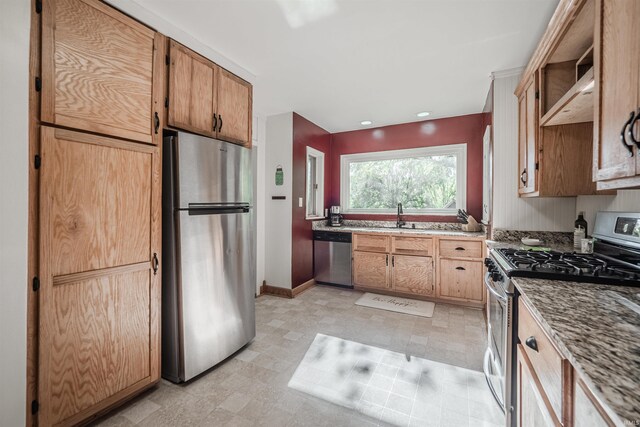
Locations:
(580, 222)
(578, 235)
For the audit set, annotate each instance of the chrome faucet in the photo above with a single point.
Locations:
(399, 221)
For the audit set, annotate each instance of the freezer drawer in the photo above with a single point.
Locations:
(332, 262)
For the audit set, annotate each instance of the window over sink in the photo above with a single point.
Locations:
(426, 180)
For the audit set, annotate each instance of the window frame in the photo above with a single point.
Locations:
(319, 193)
(459, 150)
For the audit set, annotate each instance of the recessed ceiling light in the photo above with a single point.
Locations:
(423, 114)
(366, 122)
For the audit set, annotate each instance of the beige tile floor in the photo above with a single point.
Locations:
(250, 388)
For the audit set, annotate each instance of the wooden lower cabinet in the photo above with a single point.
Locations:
(411, 265)
(99, 296)
(412, 274)
(460, 280)
(533, 406)
(587, 412)
(550, 390)
(371, 269)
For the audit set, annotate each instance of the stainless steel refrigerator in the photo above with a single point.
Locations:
(208, 281)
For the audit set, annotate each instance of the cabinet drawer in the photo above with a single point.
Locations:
(460, 248)
(412, 245)
(546, 361)
(461, 280)
(370, 243)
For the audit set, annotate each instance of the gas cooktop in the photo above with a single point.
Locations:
(569, 266)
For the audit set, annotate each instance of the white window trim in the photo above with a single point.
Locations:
(460, 150)
(319, 155)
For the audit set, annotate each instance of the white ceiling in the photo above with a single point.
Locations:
(338, 62)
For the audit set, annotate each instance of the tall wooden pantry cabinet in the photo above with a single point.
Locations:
(96, 141)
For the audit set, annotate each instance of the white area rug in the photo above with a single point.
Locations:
(394, 388)
(400, 305)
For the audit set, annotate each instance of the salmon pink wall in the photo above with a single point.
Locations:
(453, 130)
(305, 134)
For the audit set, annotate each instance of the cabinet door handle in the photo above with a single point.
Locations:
(155, 263)
(393, 261)
(220, 128)
(215, 122)
(460, 268)
(460, 248)
(532, 343)
(524, 177)
(630, 129)
(623, 135)
(156, 121)
(387, 261)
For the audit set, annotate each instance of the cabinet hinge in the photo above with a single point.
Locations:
(166, 59)
(537, 94)
(38, 6)
(37, 161)
(38, 84)
(35, 284)
(166, 102)
(35, 406)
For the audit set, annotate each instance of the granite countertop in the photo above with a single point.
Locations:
(394, 230)
(597, 327)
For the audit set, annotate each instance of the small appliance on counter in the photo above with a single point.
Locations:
(335, 218)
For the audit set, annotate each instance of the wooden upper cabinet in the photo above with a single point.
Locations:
(99, 296)
(192, 91)
(617, 70)
(206, 99)
(97, 70)
(527, 138)
(234, 109)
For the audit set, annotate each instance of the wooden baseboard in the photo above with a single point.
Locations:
(304, 287)
(275, 291)
(284, 292)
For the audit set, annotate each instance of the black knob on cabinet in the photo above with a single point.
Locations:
(532, 343)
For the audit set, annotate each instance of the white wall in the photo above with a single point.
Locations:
(14, 116)
(279, 137)
(625, 200)
(509, 210)
(259, 142)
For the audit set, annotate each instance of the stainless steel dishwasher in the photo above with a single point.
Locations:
(332, 258)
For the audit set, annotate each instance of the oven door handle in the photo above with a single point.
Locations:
(487, 376)
(501, 298)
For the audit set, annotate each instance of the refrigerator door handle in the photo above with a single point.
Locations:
(217, 210)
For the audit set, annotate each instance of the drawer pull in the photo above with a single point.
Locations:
(460, 268)
(532, 343)
(460, 248)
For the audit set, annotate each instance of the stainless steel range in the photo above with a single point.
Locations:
(615, 261)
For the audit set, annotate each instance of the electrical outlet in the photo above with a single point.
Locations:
(300, 202)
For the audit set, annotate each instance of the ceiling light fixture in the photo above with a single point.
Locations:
(366, 122)
(423, 114)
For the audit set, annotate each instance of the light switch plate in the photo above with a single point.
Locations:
(300, 203)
